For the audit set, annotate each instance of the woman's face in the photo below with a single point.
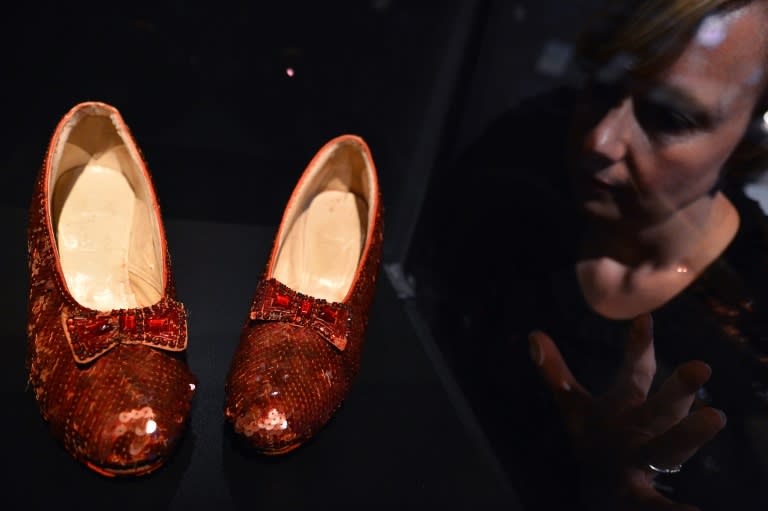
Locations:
(646, 150)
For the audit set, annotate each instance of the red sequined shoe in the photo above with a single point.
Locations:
(300, 348)
(106, 335)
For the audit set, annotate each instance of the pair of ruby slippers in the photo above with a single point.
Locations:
(107, 336)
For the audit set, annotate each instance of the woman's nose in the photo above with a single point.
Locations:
(610, 136)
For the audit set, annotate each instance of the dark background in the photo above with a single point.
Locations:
(226, 133)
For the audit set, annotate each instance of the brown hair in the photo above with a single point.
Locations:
(643, 37)
(650, 33)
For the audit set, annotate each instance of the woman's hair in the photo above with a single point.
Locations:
(644, 37)
(647, 34)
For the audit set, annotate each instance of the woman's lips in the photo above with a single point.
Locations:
(593, 186)
(596, 177)
(599, 184)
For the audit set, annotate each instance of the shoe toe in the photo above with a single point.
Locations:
(267, 427)
(284, 385)
(133, 427)
(135, 440)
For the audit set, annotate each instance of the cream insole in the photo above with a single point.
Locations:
(321, 251)
(94, 232)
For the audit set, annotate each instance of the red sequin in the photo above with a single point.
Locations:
(328, 315)
(155, 325)
(282, 300)
(128, 321)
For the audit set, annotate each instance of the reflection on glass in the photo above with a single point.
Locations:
(637, 274)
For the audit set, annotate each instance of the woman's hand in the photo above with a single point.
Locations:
(616, 436)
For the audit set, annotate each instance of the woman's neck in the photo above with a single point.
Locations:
(625, 272)
(686, 241)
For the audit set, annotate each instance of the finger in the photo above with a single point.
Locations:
(682, 441)
(639, 367)
(674, 398)
(569, 395)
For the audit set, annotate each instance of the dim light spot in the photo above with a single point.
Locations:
(712, 32)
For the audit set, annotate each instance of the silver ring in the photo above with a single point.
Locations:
(674, 469)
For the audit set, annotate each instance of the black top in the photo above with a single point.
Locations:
(513, 270)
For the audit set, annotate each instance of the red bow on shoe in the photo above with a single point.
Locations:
(275, 301)
(91, 333)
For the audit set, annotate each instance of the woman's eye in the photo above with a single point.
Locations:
(663, 120)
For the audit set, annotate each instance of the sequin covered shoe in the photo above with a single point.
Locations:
(106, 335)
(300, 348)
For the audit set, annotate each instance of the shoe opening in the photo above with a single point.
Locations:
(326, 224)
(103, 215)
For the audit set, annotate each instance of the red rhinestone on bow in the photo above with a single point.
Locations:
(275, 301)
(92, 333)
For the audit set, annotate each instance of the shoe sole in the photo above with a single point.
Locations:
(138, 470)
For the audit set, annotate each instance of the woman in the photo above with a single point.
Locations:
(637, 255)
